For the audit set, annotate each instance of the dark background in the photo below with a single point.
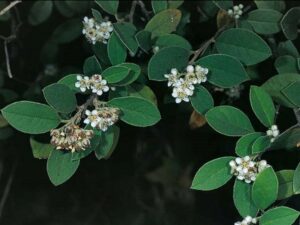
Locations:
(146, 181)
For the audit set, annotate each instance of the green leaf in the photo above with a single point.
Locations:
(292, 92)
(100, 50)
(288, 48)
(70, 81)
(136, 111)
(277, 83)
(162, 62)
(223, 4)
(262, 106)
(290, 22)
(172, 40)
(244, 45)
(91, 66)
(296, 180)
(79, 7)
(278, 5)
(40, 150)
(285, 180)
(31, 117)
(202, 100)
(142, 91)
(143, 38)
(279, 216)
(244, 144)
(265, 21)
(229, 121)
(174, 4)
(224, 71)
(261, 144)
(164, 22)
(265, 188)
(40, 12)
(126, 33)
(60, 167)
(67, 31)
(115, 74)
(109, 141)
(286, 64)
(134, 73)
(158, 6)
(287, 140)
(116, 51)
(60, 97)
(109, 6)
(242, 199)
(212, 174)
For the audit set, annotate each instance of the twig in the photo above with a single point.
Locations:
(132, 10)
(202, 49)
(133, 7)
(7, 60)
(7, 188)
(7, 8)
(143, 8)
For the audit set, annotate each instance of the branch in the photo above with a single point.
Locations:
(202, 49)
(7, 60)
(297, 115)
(7, 8)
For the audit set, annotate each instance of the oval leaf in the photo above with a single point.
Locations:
(136, 111)
(296, 180)
(265, 21)
(110, 7)
(115, 74)
(202, 100)
(289, 23)
(164, 22)
(31, 117)
(261, 144)
(116, 51)
(242, 199)
(244, 144)
(213, 174)
(265, 188)
(60, 167)
(224, 71)
(244, 45)
(162, 62)
(60, 97)
(285, 180)
(262, 105)
(40, 12)
(279, 216)
(229, 121)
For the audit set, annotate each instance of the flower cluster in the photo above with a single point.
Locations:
(247, 169)
(71, 137)
(96, 83)
(236, 12)
(102, 118)
(273, 132)
(96, 32)
(248, 220)
(183, 83)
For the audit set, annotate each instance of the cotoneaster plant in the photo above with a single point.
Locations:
(82, 111)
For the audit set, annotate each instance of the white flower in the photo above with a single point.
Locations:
(273, 132)
(201, 73)
(83, 83)
(98, 84)
(95, 32)
(236, 11)
(92, 118)
(248, 220)
(246, 169)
